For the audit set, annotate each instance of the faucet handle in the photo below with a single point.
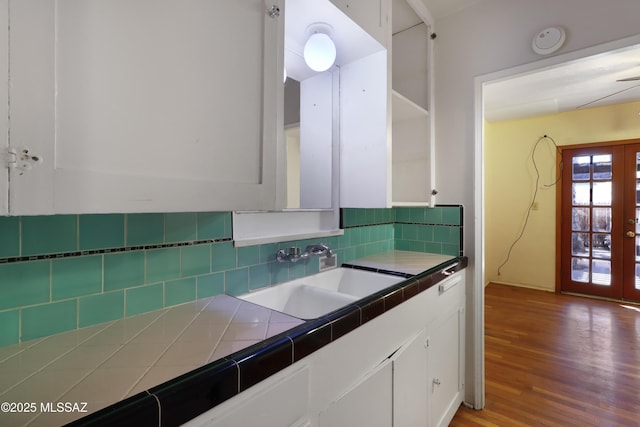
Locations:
(293, 251)
(290, 254)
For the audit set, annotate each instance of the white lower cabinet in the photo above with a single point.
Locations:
(368, 403)
(446, 368)
(410, 390)
(394, 393)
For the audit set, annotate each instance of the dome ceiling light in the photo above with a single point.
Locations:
(319, 49)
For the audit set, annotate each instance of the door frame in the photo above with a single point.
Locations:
(559, 168)
(475, 300)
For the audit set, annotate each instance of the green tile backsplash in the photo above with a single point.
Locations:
(49, 234)
(10, 236)
(62, 272)
(436, 230)
(101, 231)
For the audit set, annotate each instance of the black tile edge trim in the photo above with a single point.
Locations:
(344, 321)
(254, 366)
(138, 410)
(368, 225)
(306, 341)
(377, 270)
(195, 392)
(109, 250)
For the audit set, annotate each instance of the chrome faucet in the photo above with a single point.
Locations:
(294, 254)
(318, 249)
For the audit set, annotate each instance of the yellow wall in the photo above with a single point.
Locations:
(510, 183)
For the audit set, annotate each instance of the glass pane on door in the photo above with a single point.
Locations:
(580, 244)
(602, 219)
(602, 193)
(603, 166)
(581, 193)
(601, 272)
(591, 218)
(580, 270)
(580, 219)
(581, 168)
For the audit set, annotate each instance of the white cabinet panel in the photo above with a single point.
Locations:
(145, 105)
(410, 391)
(387, 150)
(368, 403)
(365, 149)
(4, 105)
(446, 353)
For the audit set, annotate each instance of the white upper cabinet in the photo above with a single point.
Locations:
(387, 143)
(144, 105)
(412, 139)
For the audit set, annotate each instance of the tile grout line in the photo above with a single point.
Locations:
(120, 347)
(226, 328)
(42, 368)
(152, 365)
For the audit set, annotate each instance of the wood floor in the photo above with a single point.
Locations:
(558, 360)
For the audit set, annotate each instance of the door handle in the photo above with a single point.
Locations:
(631, 234)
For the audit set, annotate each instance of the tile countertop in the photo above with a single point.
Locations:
(163, 356)
(103, 364)
(409, 263)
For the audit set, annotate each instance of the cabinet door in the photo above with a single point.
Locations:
(145, 105)
(446, 356)
(410, 389)
(368, 403)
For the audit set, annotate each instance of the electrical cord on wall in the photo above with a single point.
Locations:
(535, 193)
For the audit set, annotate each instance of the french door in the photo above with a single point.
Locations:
(600, 231)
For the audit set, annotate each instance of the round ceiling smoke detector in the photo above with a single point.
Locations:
(549, 40)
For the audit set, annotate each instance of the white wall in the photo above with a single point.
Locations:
(490, 36)
(494, 35)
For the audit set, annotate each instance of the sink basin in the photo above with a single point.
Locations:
(313, 296)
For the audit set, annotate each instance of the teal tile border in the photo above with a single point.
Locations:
(10, 241)
(101, 231)
(170, 259)
(49, 234)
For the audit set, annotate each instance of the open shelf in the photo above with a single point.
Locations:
(405, 109)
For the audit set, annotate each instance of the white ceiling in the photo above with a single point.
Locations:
(585, 83)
